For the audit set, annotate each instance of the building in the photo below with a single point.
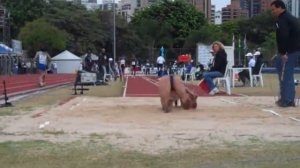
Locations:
(144, 3)
(5, 25)
(265, 5)
(255, 7)
(127, 8)
(234, 11)
(213, 13)
(203, 6)
(293, 7)
(108, 5)
(218, 17)
(90, 4)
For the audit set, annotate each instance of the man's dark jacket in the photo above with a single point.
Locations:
(287, 33)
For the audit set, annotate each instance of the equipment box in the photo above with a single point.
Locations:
(87, 77)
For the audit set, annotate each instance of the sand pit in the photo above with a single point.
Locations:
(139, 123)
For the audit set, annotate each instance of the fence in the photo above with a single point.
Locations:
(7, 63)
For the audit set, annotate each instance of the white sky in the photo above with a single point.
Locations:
(220, 3)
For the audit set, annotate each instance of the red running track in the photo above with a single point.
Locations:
(18, 84)
(142, 86)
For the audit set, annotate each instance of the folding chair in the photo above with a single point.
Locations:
(226, 80)
(258, 77)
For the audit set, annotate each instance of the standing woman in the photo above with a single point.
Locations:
(218, 68)
(42, 60)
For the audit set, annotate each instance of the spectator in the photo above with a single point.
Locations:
(243, 75)
(218, 68)
(88, 62)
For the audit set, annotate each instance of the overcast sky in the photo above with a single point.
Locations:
(220, 3)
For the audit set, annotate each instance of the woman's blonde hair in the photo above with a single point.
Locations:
(221, 45)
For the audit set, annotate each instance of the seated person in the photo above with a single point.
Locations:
(243, 75)
(218, 68)
(171, 88)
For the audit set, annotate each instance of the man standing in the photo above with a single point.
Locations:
(288, 43)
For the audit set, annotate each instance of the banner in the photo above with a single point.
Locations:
(17, 46)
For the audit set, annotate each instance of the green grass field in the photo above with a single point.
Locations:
(42, 154)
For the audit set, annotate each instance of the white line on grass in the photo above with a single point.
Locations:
(228, 101)
(295, 119)
(271, 111)
(44, 124)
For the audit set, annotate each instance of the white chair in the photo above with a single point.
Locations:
(191, 74)
(106, 75)
(258, 77)
(226, 80)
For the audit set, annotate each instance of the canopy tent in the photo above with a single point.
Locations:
(4, 49)
(66, 62)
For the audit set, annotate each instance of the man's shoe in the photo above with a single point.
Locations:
(284, 104)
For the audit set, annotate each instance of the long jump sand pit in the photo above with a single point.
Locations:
(139, 123)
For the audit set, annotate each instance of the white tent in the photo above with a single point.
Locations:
(66, 62)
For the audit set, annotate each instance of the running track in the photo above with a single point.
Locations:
(146, 86)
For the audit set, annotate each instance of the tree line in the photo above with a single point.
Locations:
(59, 25)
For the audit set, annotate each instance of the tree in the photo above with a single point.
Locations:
(22, 11)
(40, 33)
(178, 16)
(269, 46)
(258, 27)
(206, 35)
(84, 28)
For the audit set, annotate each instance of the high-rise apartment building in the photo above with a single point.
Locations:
(265, 5)
(203, 6)
(233, 11)
(218, 18)
(213, 13)
(128, 7)
(293, 7)
(255, 7)
(108, 5)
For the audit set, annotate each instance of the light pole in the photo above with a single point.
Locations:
(114, 31)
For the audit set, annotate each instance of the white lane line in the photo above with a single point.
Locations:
(150, 80)
(295, 119)
(125, 87)
(244, 95)
(271, 111)
(44, 124)
(228, 101)
(141, 95)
